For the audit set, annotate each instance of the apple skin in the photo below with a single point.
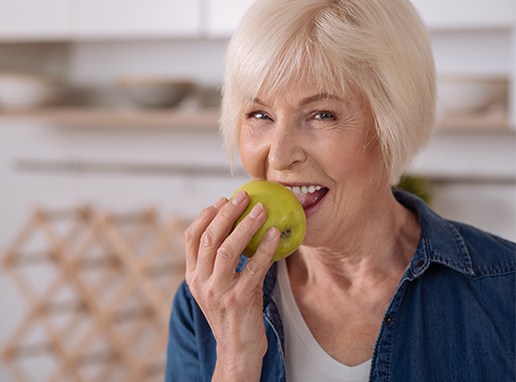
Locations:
(283, 212)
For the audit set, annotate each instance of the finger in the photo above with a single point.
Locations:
(217, 231)
(192, 235)
(229, 252)
(256, 269)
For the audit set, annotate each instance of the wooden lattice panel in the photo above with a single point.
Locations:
(103, 313)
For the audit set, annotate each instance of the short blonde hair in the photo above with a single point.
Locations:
(380, 47)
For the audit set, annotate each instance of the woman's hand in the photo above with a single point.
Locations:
(231, 302)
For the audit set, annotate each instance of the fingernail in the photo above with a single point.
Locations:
(271, 234)
(256, 211)
(238, 198)
(220, 202)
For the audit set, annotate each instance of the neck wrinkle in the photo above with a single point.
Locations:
(371, 254)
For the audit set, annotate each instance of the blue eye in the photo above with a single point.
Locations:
(258, 115)
(322, 115)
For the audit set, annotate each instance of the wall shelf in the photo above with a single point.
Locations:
(476, 122)
(100, 117)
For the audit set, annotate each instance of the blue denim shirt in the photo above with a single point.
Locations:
(452, 317)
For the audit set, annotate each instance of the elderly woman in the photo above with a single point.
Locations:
(338, 95)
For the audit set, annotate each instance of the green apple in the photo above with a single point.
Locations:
(283, 212)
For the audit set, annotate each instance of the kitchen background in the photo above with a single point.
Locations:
(100, 170)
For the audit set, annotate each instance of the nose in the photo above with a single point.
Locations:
(286, 149)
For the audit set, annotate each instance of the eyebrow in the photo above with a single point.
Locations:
(307, 100)
(318, 97)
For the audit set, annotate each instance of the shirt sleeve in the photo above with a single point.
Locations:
(183, 362)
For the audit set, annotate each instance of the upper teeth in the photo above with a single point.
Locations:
(304, 189)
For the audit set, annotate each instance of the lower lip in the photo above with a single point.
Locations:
(313, 209)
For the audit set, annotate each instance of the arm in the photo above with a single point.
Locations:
(182, 353)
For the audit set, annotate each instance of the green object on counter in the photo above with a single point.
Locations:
(416, 185)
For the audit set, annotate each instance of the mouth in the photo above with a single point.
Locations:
(308, 195)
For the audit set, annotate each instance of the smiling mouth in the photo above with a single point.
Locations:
(308, 195)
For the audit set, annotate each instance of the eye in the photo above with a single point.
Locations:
(323, 115)
(258, 115)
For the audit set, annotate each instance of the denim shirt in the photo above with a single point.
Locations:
(452, 317)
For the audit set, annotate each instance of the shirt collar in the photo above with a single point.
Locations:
(440, 241)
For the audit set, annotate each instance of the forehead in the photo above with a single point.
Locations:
(304, 91)
(298, 96)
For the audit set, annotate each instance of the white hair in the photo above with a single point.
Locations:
(379, 47)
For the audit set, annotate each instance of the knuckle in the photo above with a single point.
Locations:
(252, 268)
(229, 301)
(208, 239)
(188, 234)
(245, 225)
(191, 282)
(225, 213)
(260, 262)
(201, 293)
(207, 213)
(209, 295)
(224, 254)
(215, 297)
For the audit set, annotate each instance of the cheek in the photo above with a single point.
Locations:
(350, 158)
(253, 155)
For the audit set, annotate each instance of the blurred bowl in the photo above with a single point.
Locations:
(25, 91)
(209, 97)
(466, 94)
(155, 91)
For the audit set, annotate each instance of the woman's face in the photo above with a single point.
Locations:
(323, 145)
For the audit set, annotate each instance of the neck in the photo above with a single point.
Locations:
(376, 249)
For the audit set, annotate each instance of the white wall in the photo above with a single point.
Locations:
(473, 178)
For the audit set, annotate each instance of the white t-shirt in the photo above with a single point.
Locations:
(305, 359)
